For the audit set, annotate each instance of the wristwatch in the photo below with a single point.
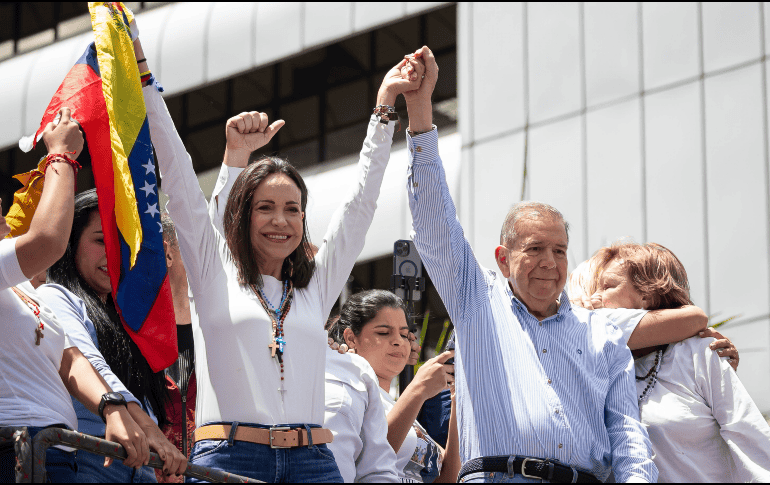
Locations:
(114, 398)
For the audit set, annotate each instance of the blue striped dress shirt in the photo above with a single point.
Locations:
(562, 388)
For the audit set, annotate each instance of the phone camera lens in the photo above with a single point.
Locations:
(402, 248)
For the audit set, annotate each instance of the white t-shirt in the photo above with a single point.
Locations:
(416, 451)
(356, 417)
(31, 390)
(702, 423)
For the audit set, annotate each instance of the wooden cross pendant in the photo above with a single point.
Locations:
(273, 346)
(38, 336)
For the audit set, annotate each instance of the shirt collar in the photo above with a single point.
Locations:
(564, 305)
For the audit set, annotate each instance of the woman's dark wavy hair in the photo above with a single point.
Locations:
(119, 350)
(299, 265)
(360, 309)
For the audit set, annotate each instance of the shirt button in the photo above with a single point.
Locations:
(549, 381)
(419, 149)
(416, 184)
(561, 445)
(557, 411)
(540, 323)
(544, 351)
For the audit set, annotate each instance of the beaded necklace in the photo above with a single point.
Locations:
(652, 375)
(277, 316)
(36, 310)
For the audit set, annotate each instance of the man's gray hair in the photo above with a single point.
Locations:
(528, 209)
(169, 230)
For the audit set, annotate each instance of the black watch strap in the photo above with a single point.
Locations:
(114, 398)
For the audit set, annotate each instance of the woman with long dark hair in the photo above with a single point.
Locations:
(262, 300)
(80, 293)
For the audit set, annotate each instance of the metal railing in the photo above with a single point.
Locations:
(30, 454)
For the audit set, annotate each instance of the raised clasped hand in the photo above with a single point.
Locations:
(250, 131)
(423, 58)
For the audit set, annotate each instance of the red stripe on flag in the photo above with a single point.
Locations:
(157, 339)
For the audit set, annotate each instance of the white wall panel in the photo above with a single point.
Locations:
(326, 21)
(614, 171)
(369, 14)
(184, 39)
(151, 26)
(612, 51)
(675, 202)
(554, 176)
(14, 79)
(554, 59)
(766, 8)
(279, 31)
(670, 42)
(498, 166)
(737, 207)
(730, 33)
(498, 71)
(465, 70)
(229, 44)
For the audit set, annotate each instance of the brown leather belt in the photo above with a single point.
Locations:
(275, 437)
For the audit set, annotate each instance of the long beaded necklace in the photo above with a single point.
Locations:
(652, 375)
(277, 317)
(36, 310)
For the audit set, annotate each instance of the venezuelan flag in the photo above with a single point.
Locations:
(104, 92)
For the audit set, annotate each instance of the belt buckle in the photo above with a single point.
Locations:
(524, 465)
(272, 438)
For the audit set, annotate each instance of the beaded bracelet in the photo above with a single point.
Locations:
(385, 113)
(144, 77)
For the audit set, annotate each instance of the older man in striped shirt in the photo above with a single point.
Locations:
(544, 391)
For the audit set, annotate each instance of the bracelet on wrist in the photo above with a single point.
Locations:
(385, 113)
(144, 77)
(61, 158)
(139, 61)
(415, 133)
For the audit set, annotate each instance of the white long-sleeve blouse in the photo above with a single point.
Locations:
(238, 378)
(703, 424)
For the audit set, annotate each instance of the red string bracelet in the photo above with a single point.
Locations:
(62, 158)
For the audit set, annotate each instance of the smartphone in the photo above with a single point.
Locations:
(407, 263)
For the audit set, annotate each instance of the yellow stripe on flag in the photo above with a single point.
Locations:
(125, 107)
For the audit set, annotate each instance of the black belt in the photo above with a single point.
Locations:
(527, 467)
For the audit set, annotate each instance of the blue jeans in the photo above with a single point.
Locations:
(304, 464)
(60, 465)
(91, 470)
(498, 477)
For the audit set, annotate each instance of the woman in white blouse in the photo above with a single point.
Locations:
(41, 367)
(261, 301)
(703, 425)
(373, 324)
